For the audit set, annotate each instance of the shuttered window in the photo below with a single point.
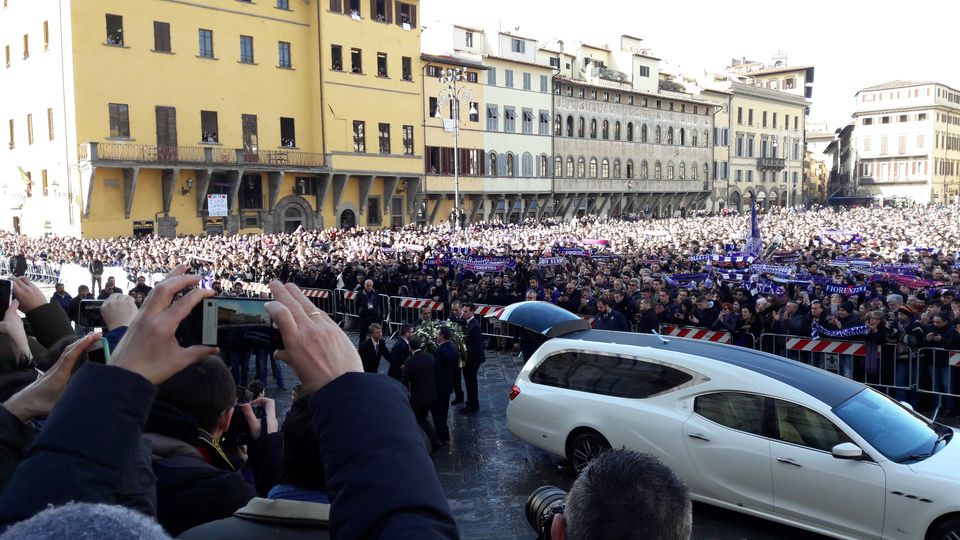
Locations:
(161, 36)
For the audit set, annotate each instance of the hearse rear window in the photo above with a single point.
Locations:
(608, 375)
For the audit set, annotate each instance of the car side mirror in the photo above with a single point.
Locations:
(847, 451)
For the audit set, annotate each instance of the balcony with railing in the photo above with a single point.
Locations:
(148, 155)
(771, 164)
(636, 185)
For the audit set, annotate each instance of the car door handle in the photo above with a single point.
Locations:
(700, 436)
(789, 461)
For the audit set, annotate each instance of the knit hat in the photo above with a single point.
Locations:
(907, 310)
(85, 521)
(847, 306)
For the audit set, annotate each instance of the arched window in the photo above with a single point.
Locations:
(706, 171)
(558, 126)
(605, 132)
(659, 136)
(644, 170)
(544, 166)
(670, 170)
(706, 138)
(630, 131)
(593, 167)
(558, 166)
(629, 168)
(593, 128)
(643, 133)
(582, 128)
(670, 135)
(693, 170)
(605, 168)
(493, 164)
(526, 165)
(616, 168)
(657, 171)
(569, 126)
(569, 171)
(693, 138)
(511, 164)
(683, 137)
(581, 168)
(683, 170)
(616, 131)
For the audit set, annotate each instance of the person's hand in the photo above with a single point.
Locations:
(314, 346)
(149, 347)
(118, 310)
(270, 413)
(29, 295)
(776, 315)
(39, 397)
(694, 320)
(12, 327)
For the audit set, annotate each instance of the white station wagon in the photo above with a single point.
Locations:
(747, 431)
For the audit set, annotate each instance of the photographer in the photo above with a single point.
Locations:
(620, 495)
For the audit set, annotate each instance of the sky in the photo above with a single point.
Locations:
(852, 44)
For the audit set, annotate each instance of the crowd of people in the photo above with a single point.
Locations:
(190, 449)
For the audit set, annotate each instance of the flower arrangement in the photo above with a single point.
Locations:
(427, 332)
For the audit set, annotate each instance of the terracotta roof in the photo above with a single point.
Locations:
(896, 84)
(515, 61)
(452, 60)
(469, 28)
(774, 70)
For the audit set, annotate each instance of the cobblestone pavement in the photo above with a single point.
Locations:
(487, 473)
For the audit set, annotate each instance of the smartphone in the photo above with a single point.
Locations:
(97, 352)
(89, 314)
(229, 322)
(6, 296)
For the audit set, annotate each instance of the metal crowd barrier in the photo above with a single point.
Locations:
(345, 307)
(405, 310)
(741, 339)
(42, 272)
(937, 373)
(323, 299)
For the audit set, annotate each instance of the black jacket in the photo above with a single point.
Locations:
(419, 377)
(267, 518)
(109, 406)
(649, 322)
(195, 484)
(368, 307)
(398, 355)
(18, 265)
(379, 476)
(447, 359)
(475, 352)
(371, 357)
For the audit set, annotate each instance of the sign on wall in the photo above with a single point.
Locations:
(217, 205)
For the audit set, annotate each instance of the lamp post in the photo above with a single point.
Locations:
(455, 93)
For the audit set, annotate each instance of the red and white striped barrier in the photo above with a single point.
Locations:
(955, 359)
(418, 303)
(697, 333)
(821, 346)
(349, 295)
(316, 293)
(489, 311)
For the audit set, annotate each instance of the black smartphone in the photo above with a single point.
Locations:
(229, 322)
(6, 296)
(89, 314)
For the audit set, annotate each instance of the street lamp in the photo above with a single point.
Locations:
(455, 93)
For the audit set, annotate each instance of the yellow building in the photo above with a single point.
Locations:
(155, 105)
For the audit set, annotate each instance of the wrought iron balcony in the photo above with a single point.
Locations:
(146, 155)
(771, 164)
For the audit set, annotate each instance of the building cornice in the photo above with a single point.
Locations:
(740, 89)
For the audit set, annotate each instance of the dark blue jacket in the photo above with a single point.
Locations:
(398, 355)
(611, 321)
(447, 359)
(379, 475)
(475, 353)
(419, 377)
(88, 443)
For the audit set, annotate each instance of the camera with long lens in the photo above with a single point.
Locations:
(544, 503)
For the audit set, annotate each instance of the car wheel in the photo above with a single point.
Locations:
(948, 530)
(584, 447)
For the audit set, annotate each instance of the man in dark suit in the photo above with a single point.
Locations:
(400, 352)
(475, 358)
(426, 315)
(456, 315)
(649, 322)
(373, 349)
(368, 308)
(446, 357)
(420, 379)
